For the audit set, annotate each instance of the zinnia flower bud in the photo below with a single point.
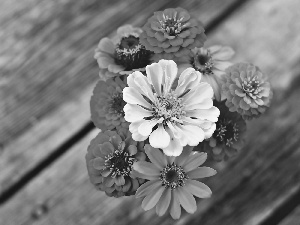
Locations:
(172, 32)
(246, 90)
(227, 139)
(109, 160)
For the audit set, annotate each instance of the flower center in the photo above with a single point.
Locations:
(169, 107)
(119, 163)
(251, 86)
(131, 54)
(173, 176)
(203, 63)
(171, 26)
(226, 132)
(117, 104)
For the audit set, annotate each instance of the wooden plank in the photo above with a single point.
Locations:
(245, 191)
(47, 54)
(69, 85)
(47, 133)
(294, 218)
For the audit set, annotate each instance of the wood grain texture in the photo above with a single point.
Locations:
(71, 110)
(65, 92)
(245, 190)
(293, 218)
(47, 53)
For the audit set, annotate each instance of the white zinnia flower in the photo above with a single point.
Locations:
(170, 117)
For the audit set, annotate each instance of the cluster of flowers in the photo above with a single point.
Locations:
(163, 99)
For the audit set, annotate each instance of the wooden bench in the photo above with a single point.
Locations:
(47, 76)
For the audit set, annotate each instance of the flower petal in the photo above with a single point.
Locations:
(169, 69)
(142, 82)
(133, 128)
(147, 187)
(187, 200)
(191, 135)
(198, 189)
(201, 172)
(99, 163)
(106, 45)
(135, 113)
(134, 173)
(159, 138)
(225, 53)
(146, 168)
(155, 76)
(146, 127)
(156, 156)
(174, 148)
(188, 79)
(132, 96)
(215, 84)
(180, 160)
(151, 200)
(164, 202)
(211, 114)
(221, 65)
(119, 180)
(175, 209)
(195, 160)
(200, 92)
(106, 148)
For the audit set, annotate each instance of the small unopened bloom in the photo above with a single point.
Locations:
(109, 160)
(122, 54)
(172, 181)
(172, 117)
(246, 90)
(172, 32)
(107, 104)
(211, 62)
(227, 139)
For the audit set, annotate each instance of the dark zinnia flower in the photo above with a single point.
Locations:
(107, 104)
(109, 160)
(123, 54)
(172, 32)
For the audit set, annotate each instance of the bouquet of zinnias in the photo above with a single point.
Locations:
(163, 103)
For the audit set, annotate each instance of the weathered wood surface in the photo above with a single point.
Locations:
(292, 219)
(68, 85)
(246, 190)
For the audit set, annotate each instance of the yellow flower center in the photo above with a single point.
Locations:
(173, 176)
(203, 62)
(171, 26)
(130, 53)
(169, 107)
(119, 163)
(226, 132)
(251, 86)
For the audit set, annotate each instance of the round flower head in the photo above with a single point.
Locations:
(246, 90)
(171, 181)
(107, 104)
(123, 54)
(227, 139)
(170, 117)
(109, 162)
(172, 32)
(211, 62)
